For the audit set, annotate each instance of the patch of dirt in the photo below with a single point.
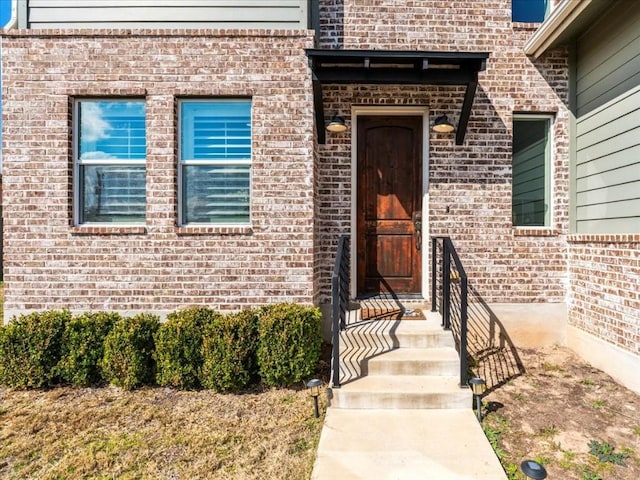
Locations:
(554, 413)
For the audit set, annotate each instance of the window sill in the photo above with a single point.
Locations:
(109, 230)
(603, 238)
(534, 232)
(214, 230)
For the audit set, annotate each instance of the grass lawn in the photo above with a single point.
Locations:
(156, 433)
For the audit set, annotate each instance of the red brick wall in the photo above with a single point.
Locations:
(51, 264)
(470, 185)
(300, 204)
(604, 294)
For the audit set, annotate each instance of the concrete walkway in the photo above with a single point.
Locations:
(404, 444)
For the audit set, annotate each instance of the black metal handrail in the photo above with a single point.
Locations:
(339, 302)
(452, 274)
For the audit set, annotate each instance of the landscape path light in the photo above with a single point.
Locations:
(478, 387)
(533, 469)
(314, 391)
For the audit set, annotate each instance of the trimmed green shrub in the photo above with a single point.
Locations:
(83, 348)
(128, 352)
(290, 343)
(229, 350)
(30, 348)
(178, 352)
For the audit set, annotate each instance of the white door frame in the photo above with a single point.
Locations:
(361, 111)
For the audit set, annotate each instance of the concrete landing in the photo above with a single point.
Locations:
(404, 444)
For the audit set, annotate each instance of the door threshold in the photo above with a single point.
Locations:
(391, 296)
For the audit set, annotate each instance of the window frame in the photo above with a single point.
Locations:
(548, 168)
(78, 163)
(181, 163)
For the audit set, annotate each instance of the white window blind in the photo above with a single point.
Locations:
(215, 157)
(110, 161)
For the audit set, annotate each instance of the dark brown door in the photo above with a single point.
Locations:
(389, 201)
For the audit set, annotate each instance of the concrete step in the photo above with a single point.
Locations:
(414, 361)
(401, 392)
(385, 335)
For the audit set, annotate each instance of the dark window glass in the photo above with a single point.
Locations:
(529, 10)
(530, 196)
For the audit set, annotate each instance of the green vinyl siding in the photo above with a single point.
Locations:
(286, 14)
(608, 56)
(606, 170)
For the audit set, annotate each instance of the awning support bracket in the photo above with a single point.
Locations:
(395, 67)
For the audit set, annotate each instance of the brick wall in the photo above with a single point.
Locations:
(51, 264)
(1, 230)
(470, 185)
(301, 190)
(604, 299)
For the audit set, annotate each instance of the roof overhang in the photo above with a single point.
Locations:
(396, 67)
(568, 19)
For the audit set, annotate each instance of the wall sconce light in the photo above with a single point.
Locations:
(336, 125)
(533, 470)
(442, 125)
(314, 391)
(478, 387)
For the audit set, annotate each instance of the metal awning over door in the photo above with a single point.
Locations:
(396, 67)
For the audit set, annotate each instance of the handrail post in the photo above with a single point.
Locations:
(446, 285)
(335, 332)
(464, 365)
(434, 273)
(450, 255)
(339, 301)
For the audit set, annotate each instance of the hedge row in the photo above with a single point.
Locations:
(195, 348)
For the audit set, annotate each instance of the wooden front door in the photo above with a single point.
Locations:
(389, 205)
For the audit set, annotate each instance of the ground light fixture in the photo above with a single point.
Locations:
(337, 125)
(314, 391)
(443, 125)
(478, 387)
(533, 469)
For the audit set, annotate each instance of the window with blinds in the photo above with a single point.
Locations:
(215, 161)
(110, 154)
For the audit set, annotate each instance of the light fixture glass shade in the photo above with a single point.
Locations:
(478, 385)
(314, 387)
(442, 125)
(337, 125)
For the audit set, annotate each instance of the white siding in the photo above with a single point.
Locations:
(288, 14)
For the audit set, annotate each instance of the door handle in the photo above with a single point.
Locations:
(417, 225)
